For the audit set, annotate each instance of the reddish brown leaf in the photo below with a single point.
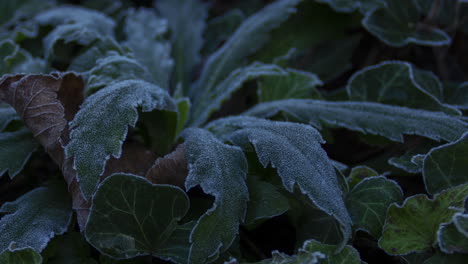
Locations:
(171, 169)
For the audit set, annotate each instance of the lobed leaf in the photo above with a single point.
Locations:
(389, 121)
(17, 60)
(93, 139)
(397, 24)
(34, 218)
(457, 95)
(250, 36)
(220, 170)
(453, 236)
(295, 151)
(445, 166)
(15, 149)
(412, 227)
(368, 201)
(131, 217)
(21, 256)
(397, 83)
(187, 22)
(211, 101)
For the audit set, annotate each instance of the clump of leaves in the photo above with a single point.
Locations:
(194, 131)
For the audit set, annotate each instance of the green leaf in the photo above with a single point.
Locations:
(385, 120)
(457, 95)
(408, 162)
(296, 84)
(187, 22)
(440, 258)
(397, 83)
(74, 24)
(360, 173)
(265, 201)
(34, 218)
(453, 236)
(295, 151)
(220, 170)
(397, 24)
(15, 150)
(144, 32)
(183, 112)
(7, 115)
(211, 101)
(412, 227)
(368, 201)
(446, 166)
(93, 139)
(11, 12)
(221, 28)
(131, 217)
(17, 60)
(21, 256)
(251, 35)
(113, 69)
(351, 5)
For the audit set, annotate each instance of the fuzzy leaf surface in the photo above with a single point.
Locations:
(295, 151)
(93, 139)
(15, 150)
(187, 22)
(412, 227)
(250, 36)
(7, 114)
(397, 83)
(144, 31)
(212, 101)
(220, 170)
(385, 120)
(131, 217)
(396, 24)
(296, 84)
(368, 201)
(16, 60)
(34, 218)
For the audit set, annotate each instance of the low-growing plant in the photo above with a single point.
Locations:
(189, 131)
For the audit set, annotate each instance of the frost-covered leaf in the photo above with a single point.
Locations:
(11, 12)
(295, 151)
(93, 139)
(397, 24)
(453, 236)
(408, 162)
(113, 69)
(74, 24)
(221, 28)
(144, 32)
(183, 112)
(211, 101)
(359, 173)
(220, 170)
(385, 120)
(251, 35)
(15, 149)
(457, 95)
(446, 166)
(16, 60)
(265, 200)
(132, 217)
(187, 22)
(368, 201)
(397, 83)
(100, 49)
(21, 256)
(412, 227)
(295, 84)
(7, 115)
(34, 218)
(351, 5)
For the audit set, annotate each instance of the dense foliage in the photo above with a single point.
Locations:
(244, 131)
